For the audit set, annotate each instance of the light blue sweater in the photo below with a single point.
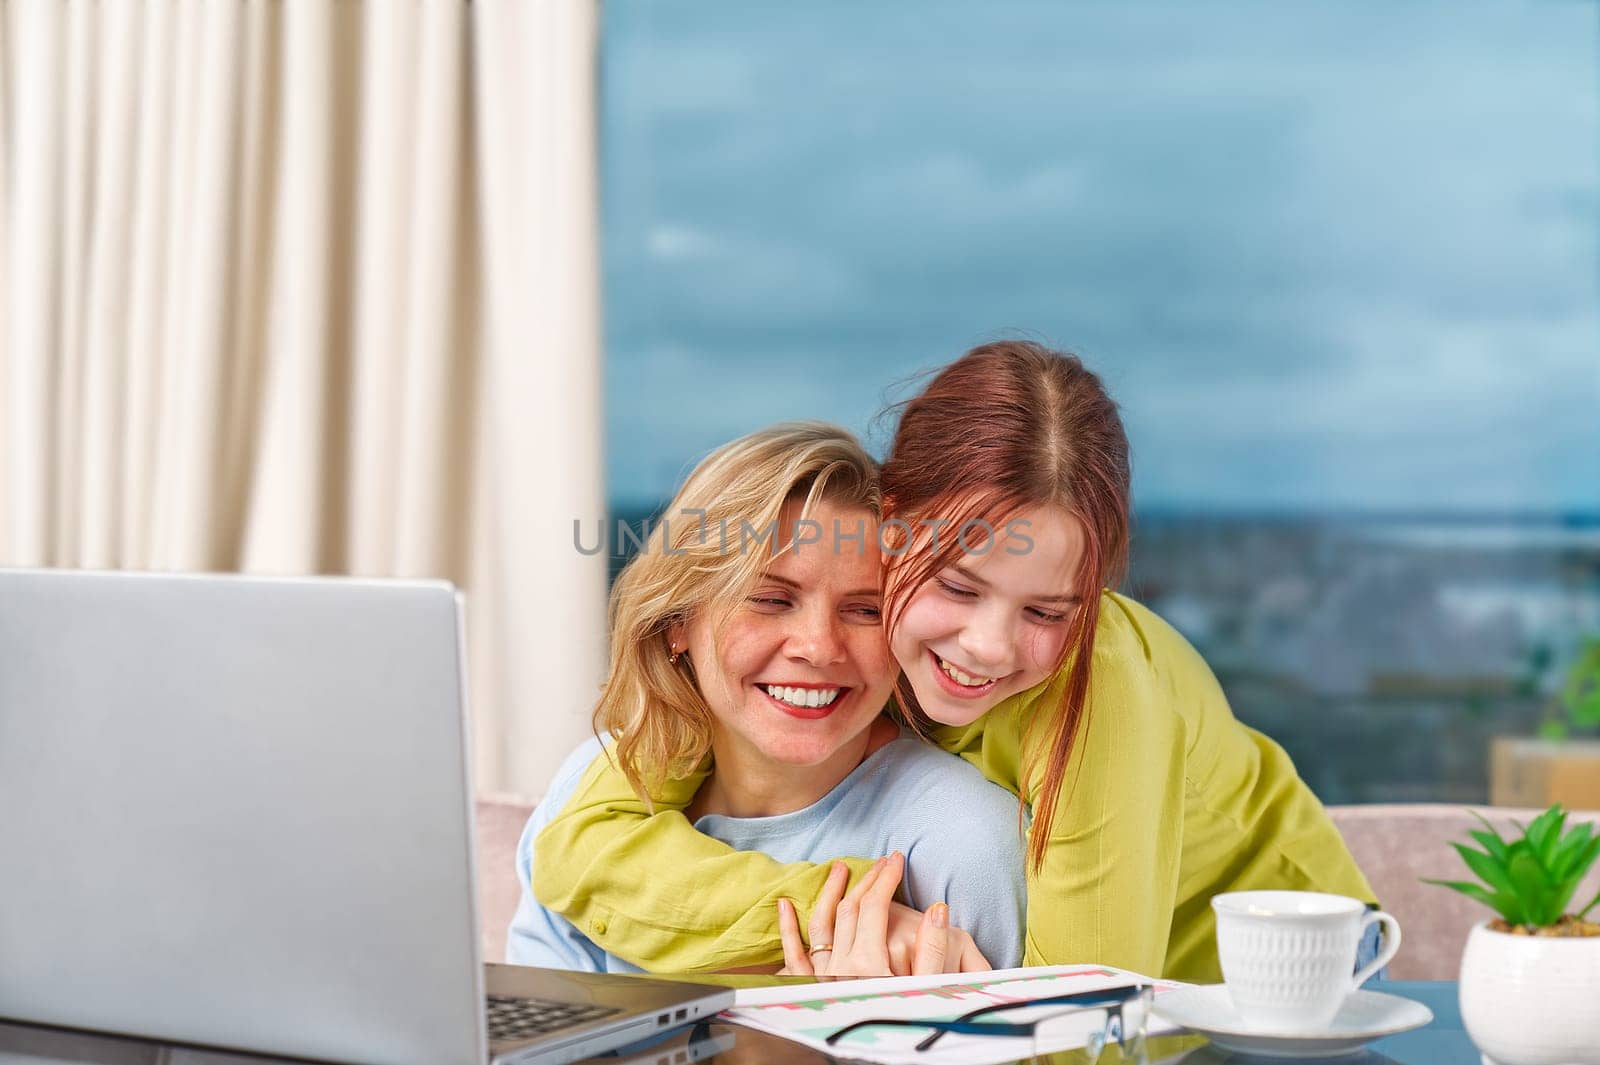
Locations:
(959, 834)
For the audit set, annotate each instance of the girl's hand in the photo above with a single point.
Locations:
(866, 933)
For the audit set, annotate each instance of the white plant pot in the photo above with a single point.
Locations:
(1532, 1000)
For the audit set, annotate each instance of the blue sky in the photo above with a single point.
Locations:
(1325, 255)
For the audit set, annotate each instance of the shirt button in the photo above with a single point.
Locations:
(599, 928)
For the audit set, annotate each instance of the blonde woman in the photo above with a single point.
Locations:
(747, 647)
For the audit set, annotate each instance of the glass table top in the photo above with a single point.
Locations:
(1444, 1042)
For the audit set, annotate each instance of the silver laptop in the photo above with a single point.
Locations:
(236, 812)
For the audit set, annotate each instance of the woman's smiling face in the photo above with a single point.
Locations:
(800, 670)
(993, 624)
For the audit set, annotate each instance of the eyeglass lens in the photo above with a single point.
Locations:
(1095, 1027)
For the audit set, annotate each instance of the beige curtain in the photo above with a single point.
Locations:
(310, 287)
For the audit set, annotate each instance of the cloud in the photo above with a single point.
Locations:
(1319, 252)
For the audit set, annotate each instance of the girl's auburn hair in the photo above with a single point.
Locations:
(1007, 427)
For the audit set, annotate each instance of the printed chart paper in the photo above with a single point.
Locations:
(809, 1013)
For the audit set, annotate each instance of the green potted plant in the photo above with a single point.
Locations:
(1563, 763)
(1528, 976)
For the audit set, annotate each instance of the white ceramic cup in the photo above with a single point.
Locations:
(1287, 956)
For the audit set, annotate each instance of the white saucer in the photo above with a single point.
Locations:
(1365, 1016)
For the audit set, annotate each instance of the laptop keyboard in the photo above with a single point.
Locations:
(521, 1018)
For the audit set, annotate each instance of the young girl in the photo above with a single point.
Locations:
(749, 629)
(1005, 526)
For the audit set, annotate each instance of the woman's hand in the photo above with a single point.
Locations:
(867, 933)
(906, 927)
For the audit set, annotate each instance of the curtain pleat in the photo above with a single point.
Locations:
(205, 266)
(311, 288)
(170, 513)
(6, 125)
(382, 251)
(35, 133)
(427, 440)
(107, 286)
(256, 189)
(538, 187)
(141, 440)
(77, 166)
(283, 533)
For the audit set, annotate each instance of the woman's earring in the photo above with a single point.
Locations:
(677, 653)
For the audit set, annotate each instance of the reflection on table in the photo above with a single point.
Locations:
(1444, 1042)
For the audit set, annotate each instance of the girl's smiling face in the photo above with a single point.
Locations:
(994, 623)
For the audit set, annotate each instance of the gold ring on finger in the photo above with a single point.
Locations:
(818, 948)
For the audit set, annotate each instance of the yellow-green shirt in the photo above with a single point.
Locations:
(1167, 801)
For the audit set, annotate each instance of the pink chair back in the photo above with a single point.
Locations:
(1397, 845)
(499, 826)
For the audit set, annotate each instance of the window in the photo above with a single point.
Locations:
(1337, 262)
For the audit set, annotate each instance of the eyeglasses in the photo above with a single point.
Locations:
(1060, 1021)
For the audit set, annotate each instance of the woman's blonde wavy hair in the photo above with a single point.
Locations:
(700, 557)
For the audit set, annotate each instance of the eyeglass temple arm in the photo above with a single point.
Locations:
(1111, 996)
(939, 1027)
(966, 1024)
